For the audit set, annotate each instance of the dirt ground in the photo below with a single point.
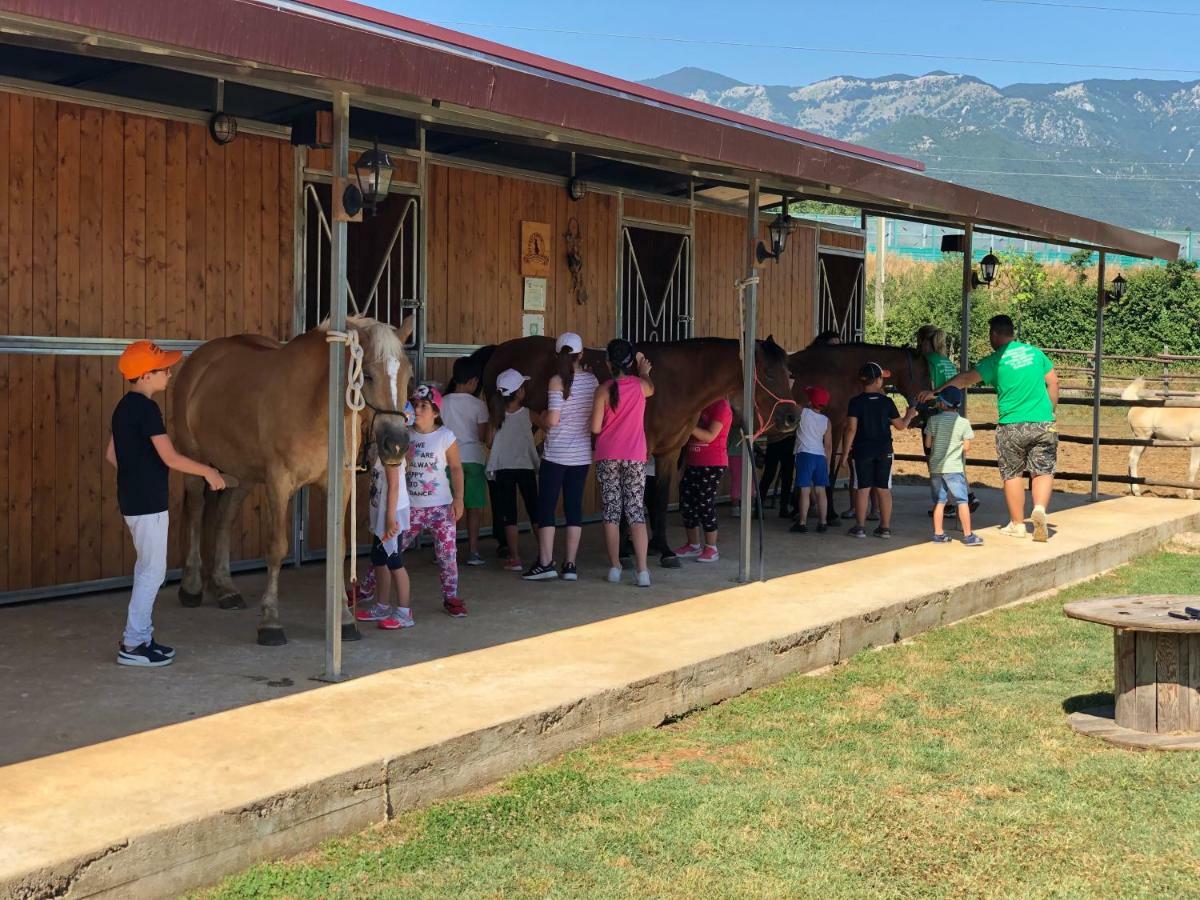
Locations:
(1166, 463)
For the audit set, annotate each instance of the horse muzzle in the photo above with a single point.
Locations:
(785, 419)
(392, 443)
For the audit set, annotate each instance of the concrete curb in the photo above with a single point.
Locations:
(565, 703)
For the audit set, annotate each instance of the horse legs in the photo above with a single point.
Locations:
(229, 502)
(270, 633)
(1135, 454)
(664, 469)
(191, 587)
(1193, 467)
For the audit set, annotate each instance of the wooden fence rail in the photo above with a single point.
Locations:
(1072, 476)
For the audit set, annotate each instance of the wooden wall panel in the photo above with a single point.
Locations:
(119, 226)
(842, 240)
(651, 211)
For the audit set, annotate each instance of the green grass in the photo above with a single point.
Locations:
(940, 768)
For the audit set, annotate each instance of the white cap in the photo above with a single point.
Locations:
(569, 340)
(509, 381)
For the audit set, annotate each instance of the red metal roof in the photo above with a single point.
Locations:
(599, 79)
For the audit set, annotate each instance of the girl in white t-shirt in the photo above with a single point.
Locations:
(513, 462)
(436, 499)
(389, 519)
(814, 445)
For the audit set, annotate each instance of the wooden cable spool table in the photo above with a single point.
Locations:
(1156, 686)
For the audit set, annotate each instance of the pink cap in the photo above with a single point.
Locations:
(430, 393)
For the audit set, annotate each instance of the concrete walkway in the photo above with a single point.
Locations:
(275, 777)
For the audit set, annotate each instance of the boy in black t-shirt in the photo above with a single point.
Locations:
(870, 418)
(142, 453)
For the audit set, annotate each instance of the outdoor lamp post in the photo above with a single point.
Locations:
(779, 229)
(987, 269)
(1117, 291)
(373, 174)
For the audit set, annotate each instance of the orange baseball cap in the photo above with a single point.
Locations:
(141, 357)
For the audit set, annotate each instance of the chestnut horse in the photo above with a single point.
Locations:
(688, 375)
(835, 368)
(259, 410)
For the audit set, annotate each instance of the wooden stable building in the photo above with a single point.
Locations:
(122, 216)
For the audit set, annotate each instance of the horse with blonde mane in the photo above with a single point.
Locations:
(258, 409)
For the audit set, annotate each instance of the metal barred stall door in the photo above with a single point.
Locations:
(383, 275)
(841, 300)
(656, 285)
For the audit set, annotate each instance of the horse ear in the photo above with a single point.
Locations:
(405, 329)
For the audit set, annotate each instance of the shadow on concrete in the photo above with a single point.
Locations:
(60, 687)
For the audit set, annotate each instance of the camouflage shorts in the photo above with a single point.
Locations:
(1026, 447)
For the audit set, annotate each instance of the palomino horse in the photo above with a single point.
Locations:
(835, 368)
(688, 376)
(258, 409)
(1164, 423)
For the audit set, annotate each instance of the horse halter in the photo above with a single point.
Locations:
(764, 422)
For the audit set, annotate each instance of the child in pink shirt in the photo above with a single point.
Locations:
(707, 456)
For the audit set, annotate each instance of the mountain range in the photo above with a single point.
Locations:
(1123, 151)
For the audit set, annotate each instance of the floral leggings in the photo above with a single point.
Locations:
(622, 486)
(439, 522)
(698, 496)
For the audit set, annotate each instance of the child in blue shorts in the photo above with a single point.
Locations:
(948, 437)
(814, 445)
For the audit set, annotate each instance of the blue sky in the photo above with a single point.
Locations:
(1148, 44)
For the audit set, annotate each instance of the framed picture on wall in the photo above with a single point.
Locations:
(535, 249)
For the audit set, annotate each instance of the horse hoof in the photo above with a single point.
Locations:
(350, 632)
(232, 601)
(190, 600)
(271, 637)
(670, 562)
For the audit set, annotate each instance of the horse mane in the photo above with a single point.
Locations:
(381, 338)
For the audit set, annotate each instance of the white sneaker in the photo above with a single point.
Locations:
(643, 579)
(1015, 530)
(614, 575)
(1041, 533)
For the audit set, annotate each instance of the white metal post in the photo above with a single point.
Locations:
(334, 544)
(749, 327)
(1101, 300)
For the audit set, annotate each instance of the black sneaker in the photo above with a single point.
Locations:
(141, 655)
(882, 532)
(822, 528)
(857, 531)
(168, 652)
(538, 572)
(972, 501)
(569, 572)
(799, 528)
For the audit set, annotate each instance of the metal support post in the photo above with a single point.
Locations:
(880, 266)
(749, 328)
(964, 334)
(335, 597)
(1101, 300)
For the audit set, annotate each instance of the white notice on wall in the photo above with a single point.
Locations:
(532, 325)
(535, 294)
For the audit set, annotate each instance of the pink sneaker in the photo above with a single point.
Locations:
(455, 608)
(514, 565)
(401, 619)
(366, 589)
(708, 554)
(688, 551)
(373, 613)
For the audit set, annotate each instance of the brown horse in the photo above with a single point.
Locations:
(835, 368)
(688, 376)
(258, 409)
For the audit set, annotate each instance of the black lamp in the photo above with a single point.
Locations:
(779, 229)
(373, 172)
(1117, 291)
(987, 268)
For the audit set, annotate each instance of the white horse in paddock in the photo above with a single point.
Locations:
(1163, 423)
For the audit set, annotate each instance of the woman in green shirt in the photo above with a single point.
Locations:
(931, 343)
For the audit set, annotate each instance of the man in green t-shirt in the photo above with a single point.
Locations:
(1026, 436)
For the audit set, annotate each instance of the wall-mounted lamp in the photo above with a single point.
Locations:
(373, 173)
(221, 126)
(987, 271)
(779, 230)
(1117, 291)
(576, 189)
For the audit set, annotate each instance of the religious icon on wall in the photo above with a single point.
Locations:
(535, 249)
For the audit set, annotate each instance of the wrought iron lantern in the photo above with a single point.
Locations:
(373, 172)
(779, 230)
(222, 127)
(987, 270)
(1117, 291)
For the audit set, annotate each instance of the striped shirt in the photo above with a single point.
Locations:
(569, 443)
(947, 431)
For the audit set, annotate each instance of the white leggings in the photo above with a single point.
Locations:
(150, 540)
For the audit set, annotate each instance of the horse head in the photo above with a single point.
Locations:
(387, 374)
(910, 373)
(774, 408)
